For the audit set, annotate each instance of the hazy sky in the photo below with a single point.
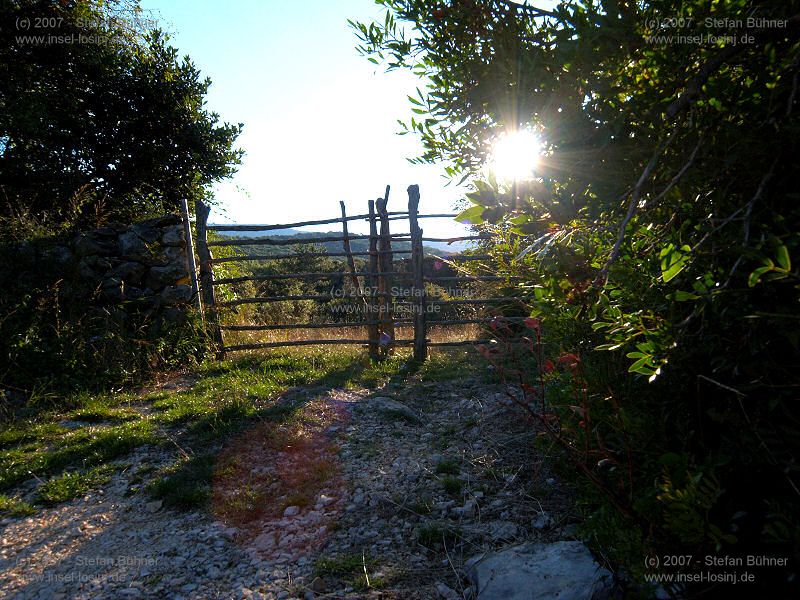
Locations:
(320, 121)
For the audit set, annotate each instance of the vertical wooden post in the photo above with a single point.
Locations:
(207, 278)
(191, 266)
(374, 306)
(418, 297)
(351, 264)
(385, 279)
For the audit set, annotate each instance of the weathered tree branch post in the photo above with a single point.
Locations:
(191, 266)
(351, 263)
(384, 279)
(374, 307)
(418, 298)
(207, 279)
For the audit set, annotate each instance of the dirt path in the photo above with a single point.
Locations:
(363, 494)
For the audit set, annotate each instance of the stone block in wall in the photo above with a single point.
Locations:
(174, 255)
(176, 294)
(174, 315)
(113, 288)
(132, 273)
(101, 242)
(134, 293)
(160, 222)
(173, 236)
(150, 235)
(93, 267)
(60, 255)
(160, 277)
(134, 247)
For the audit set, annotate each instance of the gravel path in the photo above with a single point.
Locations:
(369, 494)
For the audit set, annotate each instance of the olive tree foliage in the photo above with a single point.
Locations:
(660, 234)
(99, 117)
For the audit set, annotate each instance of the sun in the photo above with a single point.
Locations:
(515, 155)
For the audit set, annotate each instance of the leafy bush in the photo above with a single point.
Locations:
(655, 242)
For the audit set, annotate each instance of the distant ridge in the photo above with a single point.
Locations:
(360, 245)
(255, 234)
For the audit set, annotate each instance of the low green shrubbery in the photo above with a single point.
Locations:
(57, 336)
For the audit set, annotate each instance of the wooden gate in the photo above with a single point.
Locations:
(374, 287)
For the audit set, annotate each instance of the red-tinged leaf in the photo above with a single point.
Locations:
(533, 322)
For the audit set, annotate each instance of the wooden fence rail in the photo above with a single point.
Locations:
(372, 287)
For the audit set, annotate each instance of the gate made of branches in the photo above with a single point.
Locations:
(373, 287)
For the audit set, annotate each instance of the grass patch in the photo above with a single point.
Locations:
(185, 484)
(14, 507)
(72, 485)
(447, 467)
(341, 566)
(83, 447)
(349, 568)
(452, 485)
(434, 535)
(447, 365)
(423, 506)
(365, 448)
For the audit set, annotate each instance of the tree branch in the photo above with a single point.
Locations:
(533, 10)
(696, 83)
(633, 204)
(673, 182)
(749, 213)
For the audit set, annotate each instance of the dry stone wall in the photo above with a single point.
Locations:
(144, 260)
(141, 266)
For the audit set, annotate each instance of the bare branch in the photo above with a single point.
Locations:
(632, 205)
(794, 67)
(533, 10)
(696, 83)
(673, 182)
(749, 213)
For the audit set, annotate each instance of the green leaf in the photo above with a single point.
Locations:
(485, 196)
(640, 366)
(473, 214)
(673, 261)
(681, 296)
(607, 346)
(755, 276)
(782, 256)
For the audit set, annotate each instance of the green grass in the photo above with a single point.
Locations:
(340, 566)
(72, 485)
(83, 447)
(186, 484)
(423, 506)
(349, 568)
(447, 467)
(434, 535)
(452, 485)
(453, 364)
(15, 507)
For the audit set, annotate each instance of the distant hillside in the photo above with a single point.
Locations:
(360, 245)
(258, 234)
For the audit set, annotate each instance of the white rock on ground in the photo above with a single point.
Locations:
(394, 408)
(556, 571)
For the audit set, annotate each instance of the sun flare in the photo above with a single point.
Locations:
(515, 155)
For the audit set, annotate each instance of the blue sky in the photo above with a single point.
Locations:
(319, 120)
